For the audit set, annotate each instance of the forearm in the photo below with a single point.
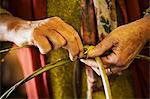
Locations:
(144, 27)
(8, 25)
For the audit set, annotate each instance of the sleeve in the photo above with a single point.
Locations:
(147, 12)
(3, 11)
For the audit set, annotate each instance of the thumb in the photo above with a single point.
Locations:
(103, 46)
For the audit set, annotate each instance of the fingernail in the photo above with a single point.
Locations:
(82, 60)
(73, 58)
(81, 55)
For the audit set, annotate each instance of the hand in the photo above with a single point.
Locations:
(125, 42)
(48, 34)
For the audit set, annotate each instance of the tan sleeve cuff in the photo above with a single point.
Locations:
(147, 12)
(3, 11)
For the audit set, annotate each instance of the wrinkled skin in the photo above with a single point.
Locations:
(48, 34)
(125, 42)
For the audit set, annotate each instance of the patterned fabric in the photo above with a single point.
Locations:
(105, 22)
(60, 79)
(88, 34)
(88, 28)
(105, 16)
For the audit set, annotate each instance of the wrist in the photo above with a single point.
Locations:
(143, 26)
(8, 26)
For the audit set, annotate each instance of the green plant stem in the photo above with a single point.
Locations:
(34, 74)
(90, 47)
(11, 49)
(143, 57)
(59, 63)
(104, 78)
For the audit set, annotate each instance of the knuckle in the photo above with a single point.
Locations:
(72, 40)
(55, 22)
(116, 61)
(64, 42)
(100, 45)
(120, 62)
(61, 43)
(56, 19)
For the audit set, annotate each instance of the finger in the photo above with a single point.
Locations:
(89, 62)
(110, 59)
(77, 37)
(103, 46)
(72, 49)
(69, 34)
(56, 39)
(42, 43)
(96, 70)
(89, 73)
(93, 64)
(114, 70)
(72, 45)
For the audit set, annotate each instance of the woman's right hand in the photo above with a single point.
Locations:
(48, 34)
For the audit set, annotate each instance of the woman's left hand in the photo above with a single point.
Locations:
(125, 42)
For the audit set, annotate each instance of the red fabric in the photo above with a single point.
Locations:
(26, 9)
(30, 58)
(123, 11)
(133, 10)
(19, 8)
(39, 9)
(0, 2)
(27, 70)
